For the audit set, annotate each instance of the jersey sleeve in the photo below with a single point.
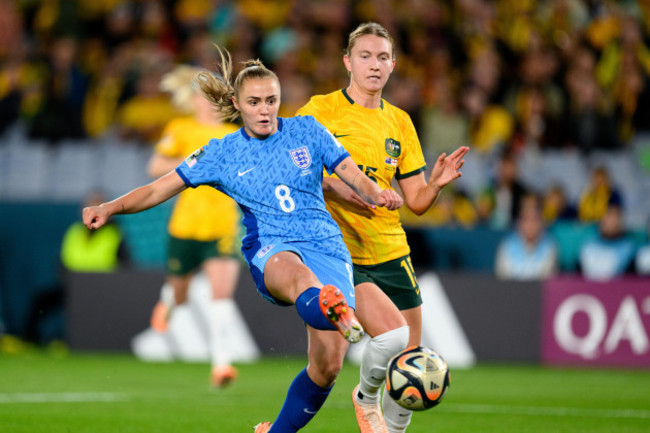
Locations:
(202, 167)
(412, 162)
(169, 145)
(331, 151)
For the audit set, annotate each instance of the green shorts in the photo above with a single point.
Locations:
(187, 255)
(396, 278)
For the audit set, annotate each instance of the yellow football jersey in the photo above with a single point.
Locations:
(384, 144)
(202, 213)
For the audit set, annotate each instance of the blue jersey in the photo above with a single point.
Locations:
(276, 181)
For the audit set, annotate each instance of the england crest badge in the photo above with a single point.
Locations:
(301, 157)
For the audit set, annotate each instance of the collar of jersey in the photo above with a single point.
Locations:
(351, 101)
(248, 137)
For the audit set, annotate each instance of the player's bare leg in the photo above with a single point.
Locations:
(173, 293)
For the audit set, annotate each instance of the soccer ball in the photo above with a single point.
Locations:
(417, 378)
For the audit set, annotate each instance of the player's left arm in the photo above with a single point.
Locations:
(419, 194)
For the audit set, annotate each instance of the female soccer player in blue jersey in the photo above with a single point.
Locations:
(272, 167)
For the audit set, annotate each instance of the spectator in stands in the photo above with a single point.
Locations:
(104, 93)
(500, 203)
(610, 252)
(588, 124)
(528, 253)
(490, 125)
(444, 125)
(642, 263)
(537, 129)
(597, 196)
(556, 205)
(143, 116)
(100, 250)
(64, 91)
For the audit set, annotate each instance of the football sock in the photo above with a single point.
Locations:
(375, 358)
(303, 401)
(222, 312)
(310, 312)
(397, 418)
(167, 295)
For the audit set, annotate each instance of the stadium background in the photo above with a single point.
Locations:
(80, 110)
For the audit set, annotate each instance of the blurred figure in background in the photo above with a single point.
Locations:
(528, 253)
(143, 116)
(64, 90)
(556, 205)
(500, 203)
(204, 229)
(610, 253)
(93, 251)
(597, 196)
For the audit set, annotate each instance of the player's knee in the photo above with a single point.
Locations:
(302, 278)
(394, 340)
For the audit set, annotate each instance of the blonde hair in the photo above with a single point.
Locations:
(369, 29)
(179, 83)
(218, 88)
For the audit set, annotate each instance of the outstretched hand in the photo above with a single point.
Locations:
(447, 168)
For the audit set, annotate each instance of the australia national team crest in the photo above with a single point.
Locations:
(393, 147)
(301, 157)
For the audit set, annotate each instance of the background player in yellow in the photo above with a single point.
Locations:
(382, 140)
(204, 225)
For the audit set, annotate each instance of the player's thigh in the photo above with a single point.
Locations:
(326, 352)
(375, 311)
(286, 276)
(181, 285)
(222, 274)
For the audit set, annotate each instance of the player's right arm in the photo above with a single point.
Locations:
(336, 190)
(369, 191)
(137, 200)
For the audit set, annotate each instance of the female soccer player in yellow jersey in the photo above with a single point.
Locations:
(382, 140)
(204, 226)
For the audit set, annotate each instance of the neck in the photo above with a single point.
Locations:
(207, 118)
(364, 97)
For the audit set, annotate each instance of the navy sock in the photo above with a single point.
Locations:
(304, 399)
(309, 310)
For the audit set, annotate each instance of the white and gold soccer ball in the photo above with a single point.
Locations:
(417, 378)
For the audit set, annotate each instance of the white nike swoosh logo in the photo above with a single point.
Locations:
(309, 302)
(310, 412)
(241, 173)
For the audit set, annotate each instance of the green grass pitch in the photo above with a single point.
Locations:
(99, 393)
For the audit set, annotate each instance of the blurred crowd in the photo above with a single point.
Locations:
(514, 73)
(506, 77)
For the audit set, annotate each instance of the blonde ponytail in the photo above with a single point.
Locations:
(218, 88)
